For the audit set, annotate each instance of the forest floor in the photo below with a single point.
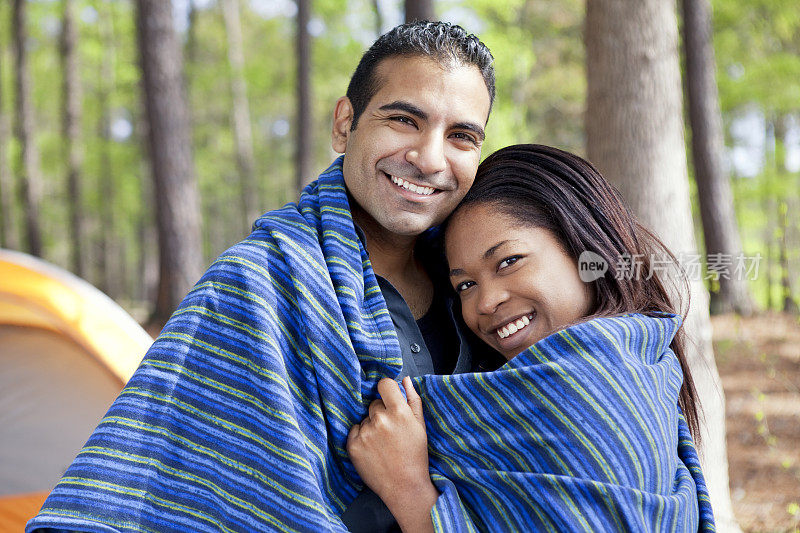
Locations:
(759, 362)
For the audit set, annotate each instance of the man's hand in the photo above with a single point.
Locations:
(390, 451)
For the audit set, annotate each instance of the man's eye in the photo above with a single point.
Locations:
(464, 285)
(403, 119)
(508, 261)
(465, 137)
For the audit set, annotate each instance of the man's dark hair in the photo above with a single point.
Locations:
(447, 43)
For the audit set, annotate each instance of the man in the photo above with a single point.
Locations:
(238, 416)
(411, 152)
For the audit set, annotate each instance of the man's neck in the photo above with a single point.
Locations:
(393, 258)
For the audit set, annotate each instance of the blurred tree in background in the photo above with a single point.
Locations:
(259, 119)
(757, 45)
(714, 194)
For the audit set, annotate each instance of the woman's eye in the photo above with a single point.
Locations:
(464, 285)
(508, 261)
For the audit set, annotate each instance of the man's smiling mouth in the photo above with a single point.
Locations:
(413, 187)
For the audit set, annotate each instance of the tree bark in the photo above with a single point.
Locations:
(147, 234)
(788, 305)
(766, 270)
(108, 248)
(175, 185)
(419, 10)
(31, 179)
(787, 302)
(8, 237)
(720, 229)
(242, 129)
(71, 130)
(304, 141)
(634, 131)
(376, 8)
(191, 36)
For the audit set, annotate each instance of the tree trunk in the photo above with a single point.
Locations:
(242, 129)
(191, 35)
(147, 234)
(788, 305)
(768, 205)
(8, 237)
(108, 262)
(720, 229)
(304, 141)
(419, 10)
(634, 132)
(71, 130)
(106, 234)
(376, 8)
(175, 185)
(31, 179)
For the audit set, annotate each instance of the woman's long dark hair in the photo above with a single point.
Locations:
(548, 188)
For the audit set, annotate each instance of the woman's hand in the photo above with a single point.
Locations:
(390, 451)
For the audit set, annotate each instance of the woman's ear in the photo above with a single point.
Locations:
(342, 120)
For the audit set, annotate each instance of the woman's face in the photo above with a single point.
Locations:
(515, 282)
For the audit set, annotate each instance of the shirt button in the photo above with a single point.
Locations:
(415, 347)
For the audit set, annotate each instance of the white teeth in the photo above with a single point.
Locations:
(513, 327)
(426, 191)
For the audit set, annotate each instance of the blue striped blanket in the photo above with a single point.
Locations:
(581, 432)
(237, 418)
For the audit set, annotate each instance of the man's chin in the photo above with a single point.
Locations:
(414, 229)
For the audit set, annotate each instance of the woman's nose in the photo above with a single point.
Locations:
(490, 297)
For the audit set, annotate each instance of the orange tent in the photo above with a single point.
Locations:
(66, 351)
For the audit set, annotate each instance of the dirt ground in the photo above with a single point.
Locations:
(759, 363)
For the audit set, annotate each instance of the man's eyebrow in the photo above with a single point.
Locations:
(486, 255)
(469, 126)
(399, 105)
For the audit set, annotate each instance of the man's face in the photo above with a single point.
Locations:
(417, 146)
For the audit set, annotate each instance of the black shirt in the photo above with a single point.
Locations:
(437, 343)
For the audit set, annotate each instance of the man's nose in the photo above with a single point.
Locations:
(490, 297)
(428, 154)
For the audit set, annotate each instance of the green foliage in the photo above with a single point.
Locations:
(757, 45)
(541, 90)
(539, 62)
(758, 54)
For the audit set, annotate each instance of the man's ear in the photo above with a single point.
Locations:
(342, 119)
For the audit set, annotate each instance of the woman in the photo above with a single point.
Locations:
(589, 424)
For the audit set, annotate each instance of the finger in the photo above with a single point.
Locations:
(414, 401)
(377, 406)
(352, 436)
(390, 394)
